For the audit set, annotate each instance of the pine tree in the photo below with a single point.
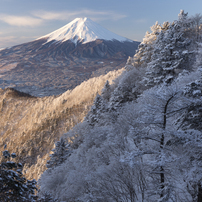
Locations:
(46, 197)
(13, 185)
(145, 49)
(60, 153)
(197, 22)
(171, 53)
(106, 91)
(96, 111)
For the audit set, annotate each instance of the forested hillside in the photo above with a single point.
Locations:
(30, 125)
(142, 139)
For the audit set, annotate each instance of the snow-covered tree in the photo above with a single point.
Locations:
(118, 182)
(106, 91)
(145, 156)
(13, 185)
(192, 163)
(140, 143)
(128, 88)
(172, 52)
(167, 137)
(46, 197)
(197, 26)
(98, 108)
(145, 49)
(159, 141)
(60, 153)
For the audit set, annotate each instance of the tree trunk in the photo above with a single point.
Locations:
(162, 175)
(132, 196)
(199, 193)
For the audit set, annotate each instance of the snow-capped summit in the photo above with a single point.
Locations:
(73, 53)
(84, 30)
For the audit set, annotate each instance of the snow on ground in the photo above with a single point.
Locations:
(7, 67)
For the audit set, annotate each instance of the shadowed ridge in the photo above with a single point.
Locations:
(11, 92)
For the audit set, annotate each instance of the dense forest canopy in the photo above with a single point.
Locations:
(142, 139)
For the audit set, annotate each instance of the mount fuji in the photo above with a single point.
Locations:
(83, 30)
(61, 60)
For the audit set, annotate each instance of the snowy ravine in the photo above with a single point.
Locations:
(82, 30)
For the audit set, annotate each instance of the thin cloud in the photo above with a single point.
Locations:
(103, 15)
(38, 18)
(69, 15)
(47, 15)
(21, 21)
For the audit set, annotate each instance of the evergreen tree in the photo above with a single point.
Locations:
(130, 86)
(197, 23)
(60, 153)
(96, 111)
(46, 197)
(171, 52)
(106, 91)
(13, 185)
(145, 49)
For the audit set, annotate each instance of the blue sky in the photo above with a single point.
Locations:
(25, 20)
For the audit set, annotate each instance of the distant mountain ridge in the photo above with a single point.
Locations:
(63, 59)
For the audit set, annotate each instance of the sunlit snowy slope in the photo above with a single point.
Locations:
(83, 30)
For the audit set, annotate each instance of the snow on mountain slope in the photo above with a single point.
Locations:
(84, 30)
